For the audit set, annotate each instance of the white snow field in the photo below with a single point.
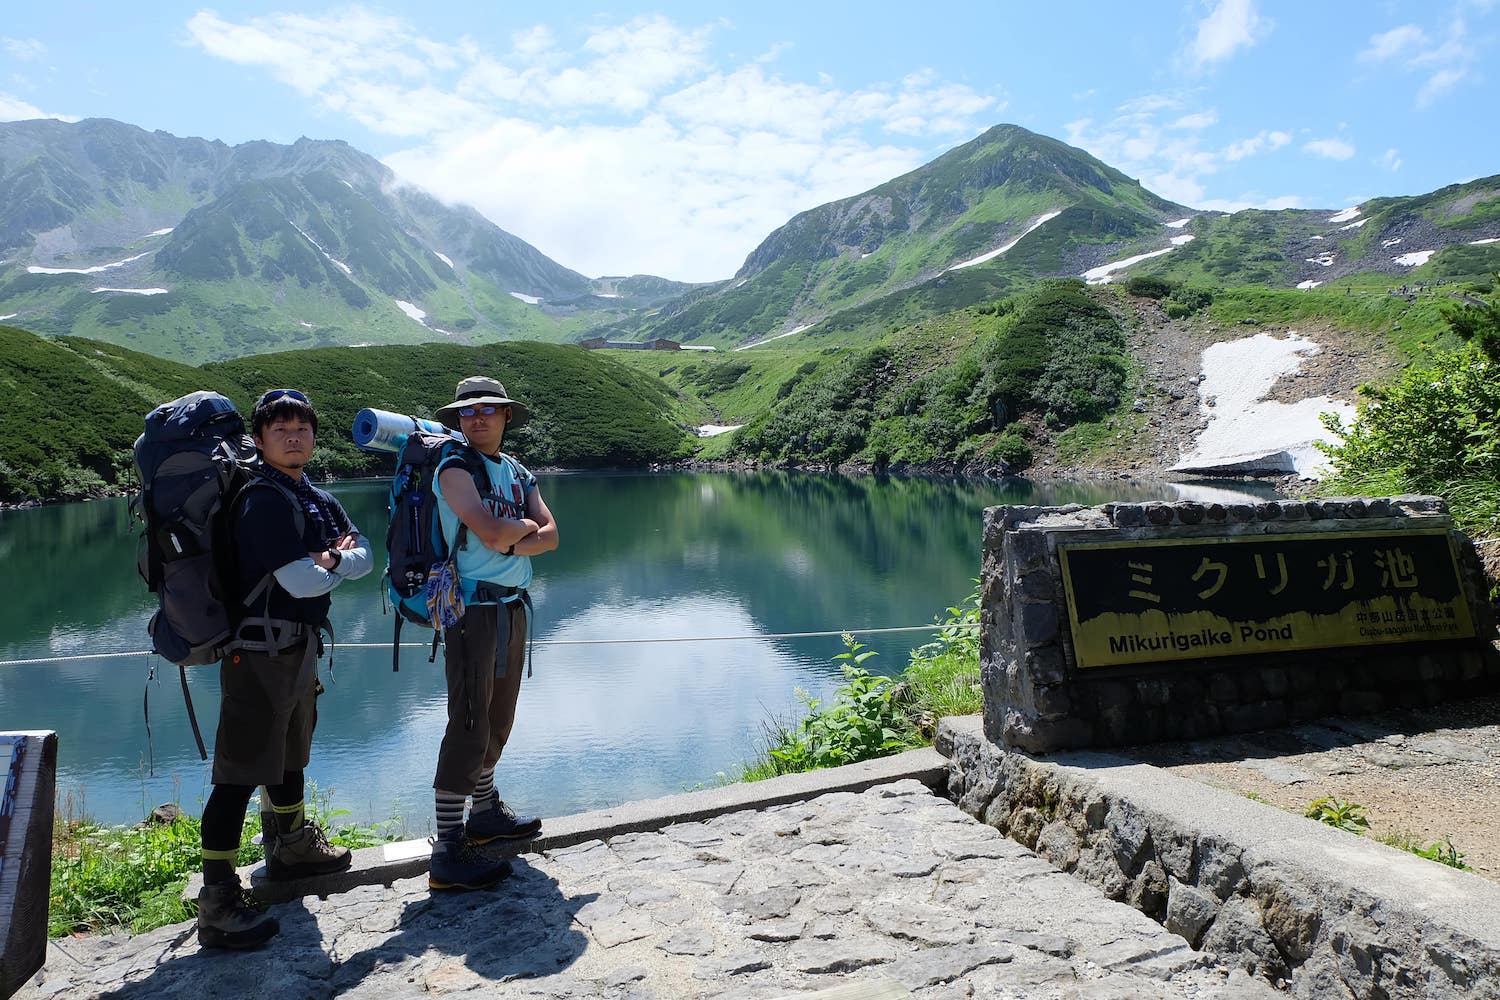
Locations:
(1248, 434)
(995, 253)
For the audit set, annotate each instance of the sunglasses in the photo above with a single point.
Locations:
(474, 411)
(276, 394)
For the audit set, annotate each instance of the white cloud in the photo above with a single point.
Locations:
(24, 49)
(1230, 26)
(1394, 43)
(1262, 141)
(1333, 149)
(1197, 120)
(591, 144)
(1177, 159)
(1439, 84)
(1149, 104)
(1444, 58)
(1391, 159)
(13, 109)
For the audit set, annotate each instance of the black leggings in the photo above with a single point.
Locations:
(224, 812)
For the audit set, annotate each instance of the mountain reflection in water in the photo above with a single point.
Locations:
(643, 556)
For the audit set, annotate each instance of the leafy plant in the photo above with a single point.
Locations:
(1348, 816)
(1150, 286)
(871, 716)
(1478, 323)
(860, 723)
(1444, 853)
(106, 877)
(1441, 851)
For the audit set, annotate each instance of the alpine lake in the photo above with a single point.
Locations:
(657, 663)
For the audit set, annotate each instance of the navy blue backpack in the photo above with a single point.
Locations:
(195, 460)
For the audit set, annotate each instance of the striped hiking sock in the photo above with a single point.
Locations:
(484, 792)
(288, 818)
(450, 811)
(218, 866)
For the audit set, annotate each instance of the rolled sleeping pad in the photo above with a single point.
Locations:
(382, 430)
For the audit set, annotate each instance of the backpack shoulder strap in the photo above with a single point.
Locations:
(473, 463)
(299, 522)
(470, 459)
(299, 518)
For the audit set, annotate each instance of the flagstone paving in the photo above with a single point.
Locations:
(894, 884)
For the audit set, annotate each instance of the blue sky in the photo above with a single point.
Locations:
(671, 138)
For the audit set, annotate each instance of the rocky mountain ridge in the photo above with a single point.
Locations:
(196, 250)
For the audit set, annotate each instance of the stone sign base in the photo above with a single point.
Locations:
(1323, 912)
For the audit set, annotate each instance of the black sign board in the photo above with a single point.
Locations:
(1189, 598)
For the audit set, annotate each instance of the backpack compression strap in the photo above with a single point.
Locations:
(474, 464)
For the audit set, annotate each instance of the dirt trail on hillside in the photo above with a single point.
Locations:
(1170, 354)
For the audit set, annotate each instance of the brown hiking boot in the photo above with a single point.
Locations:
(227, 919)
(304, 854)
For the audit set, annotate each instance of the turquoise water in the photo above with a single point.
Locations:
(644, 557)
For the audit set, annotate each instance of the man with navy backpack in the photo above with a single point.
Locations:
(494, 520)
(293, 544)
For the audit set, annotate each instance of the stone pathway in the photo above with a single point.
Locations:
(892, 884)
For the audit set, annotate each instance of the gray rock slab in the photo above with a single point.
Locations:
(1450, 749)
(1281, 774)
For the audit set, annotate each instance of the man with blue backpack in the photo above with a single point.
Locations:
(292, 544)
(493, 519)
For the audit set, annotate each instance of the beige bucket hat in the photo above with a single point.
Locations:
(478, 389)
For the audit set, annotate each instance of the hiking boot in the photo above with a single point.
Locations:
(304, 854)
(227, 918)
(498, 822)
(457, 865)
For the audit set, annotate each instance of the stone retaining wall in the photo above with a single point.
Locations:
(1286, 898)
(1037, 698)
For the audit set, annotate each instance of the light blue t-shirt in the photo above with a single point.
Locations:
(510, 482)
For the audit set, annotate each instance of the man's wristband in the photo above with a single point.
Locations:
(338, 558)
(512, 550)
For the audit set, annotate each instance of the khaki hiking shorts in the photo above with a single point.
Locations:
(267, 713)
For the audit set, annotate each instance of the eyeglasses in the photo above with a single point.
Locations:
(472, 411)
(276, 394)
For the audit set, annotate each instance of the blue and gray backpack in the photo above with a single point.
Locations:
(415, 547)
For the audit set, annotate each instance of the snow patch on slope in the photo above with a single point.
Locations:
(1248, 433)
(995, 253)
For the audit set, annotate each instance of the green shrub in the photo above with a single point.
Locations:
(860, 723)
(1193, 298)
(1149, 286)
(1434, 425)
(1478, 324)
(1435, 429)
(1012, 449)
(1055, 349)
(1087, 372)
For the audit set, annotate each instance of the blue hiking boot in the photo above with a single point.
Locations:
(457, 865)
(498, 822)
